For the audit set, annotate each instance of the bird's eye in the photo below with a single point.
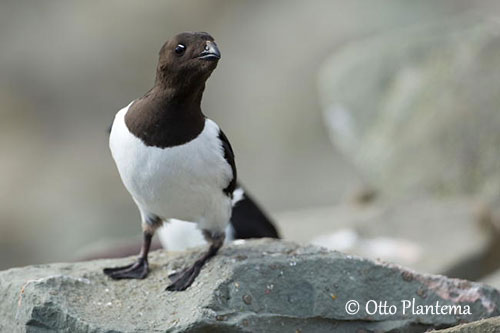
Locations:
(179, 49)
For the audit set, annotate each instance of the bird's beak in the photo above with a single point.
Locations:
(211, 51)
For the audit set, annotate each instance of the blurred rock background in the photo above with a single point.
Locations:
(66, 68)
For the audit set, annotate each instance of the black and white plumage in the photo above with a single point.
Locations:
(185, 182)
(175, 162)
(248, 220)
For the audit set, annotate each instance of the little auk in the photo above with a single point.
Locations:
(175, 162)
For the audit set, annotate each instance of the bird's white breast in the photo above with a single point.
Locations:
(183, 182)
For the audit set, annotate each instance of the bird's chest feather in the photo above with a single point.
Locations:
(173, 178)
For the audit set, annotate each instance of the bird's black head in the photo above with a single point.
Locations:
(186, 59)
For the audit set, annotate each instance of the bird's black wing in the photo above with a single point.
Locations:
(229, 156)
(248, 219)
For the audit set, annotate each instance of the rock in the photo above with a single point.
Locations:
(493, 279)
(490, 325)
(409, 232)
(417, 110)
(252, 286)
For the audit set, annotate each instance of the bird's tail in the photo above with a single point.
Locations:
(248, 220)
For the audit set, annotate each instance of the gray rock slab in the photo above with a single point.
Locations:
(252, 286)
(417, 109)
(490, 325)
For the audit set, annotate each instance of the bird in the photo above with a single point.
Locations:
(176, 163)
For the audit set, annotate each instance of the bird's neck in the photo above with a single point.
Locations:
(181, 99)
(167, 117)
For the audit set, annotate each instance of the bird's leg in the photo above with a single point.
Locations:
(183, 279)
(140, 268)
(137, 270)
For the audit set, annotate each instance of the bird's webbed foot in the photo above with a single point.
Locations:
(136, 270)
(183, 279)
